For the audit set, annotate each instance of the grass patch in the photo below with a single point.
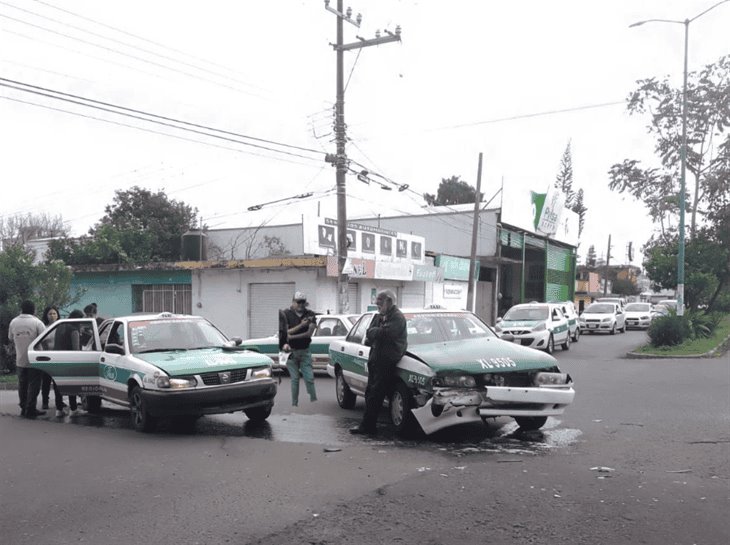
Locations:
(10, 378)
(693, 347)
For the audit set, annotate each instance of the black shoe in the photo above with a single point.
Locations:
(362, 430)
(34, 413)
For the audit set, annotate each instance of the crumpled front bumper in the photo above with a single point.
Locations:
(460, 406)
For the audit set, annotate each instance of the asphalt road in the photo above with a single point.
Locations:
(642, 456)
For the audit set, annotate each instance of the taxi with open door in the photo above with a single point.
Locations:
(157, 365)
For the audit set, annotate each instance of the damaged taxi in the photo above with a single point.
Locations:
(157, 365)
(456, 370)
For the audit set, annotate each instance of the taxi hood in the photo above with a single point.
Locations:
(205, 360)
(481, 355)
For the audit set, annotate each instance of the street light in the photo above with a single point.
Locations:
(680, 251)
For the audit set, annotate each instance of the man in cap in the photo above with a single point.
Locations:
(295, 336)
(387, 336)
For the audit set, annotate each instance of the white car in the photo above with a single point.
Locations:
(638, 315)
(455, 371)
(537, 325)
(568, 309)
(330, 327)
(620, 301)
(603, 317)
(157, 365)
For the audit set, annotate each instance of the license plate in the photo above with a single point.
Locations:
(592, 326)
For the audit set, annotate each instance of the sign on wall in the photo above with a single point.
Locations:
(319, 237)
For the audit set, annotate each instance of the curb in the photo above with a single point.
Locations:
(718, 351)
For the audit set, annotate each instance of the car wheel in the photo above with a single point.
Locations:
(577, 335)
(613, 329)
(345, 398)
(401, 402)
(141, 419)
(550, 348)
(258, 414)
(566, 344)
(623, 329)
(91, 404)
(529, 423)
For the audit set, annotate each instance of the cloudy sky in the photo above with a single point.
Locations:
(514, 80)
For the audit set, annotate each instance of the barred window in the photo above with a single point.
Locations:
(175, 298)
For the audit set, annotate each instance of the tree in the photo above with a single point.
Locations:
(591, 257)
(623, 286)
(708, 116)
(452, 191)
(139, 226)
(707, 267)
(21, 228)
(564, 182)
(45, 284)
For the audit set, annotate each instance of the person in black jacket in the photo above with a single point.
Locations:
(388, 339)
(296, 325)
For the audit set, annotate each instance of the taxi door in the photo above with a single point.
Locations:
(74, 370)
(353, 356)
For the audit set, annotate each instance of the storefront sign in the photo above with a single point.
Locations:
(427, 273)
(456, 268)
(452, 290)
(386, 270)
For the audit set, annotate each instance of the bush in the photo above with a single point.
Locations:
(701, 325)
(668, 331)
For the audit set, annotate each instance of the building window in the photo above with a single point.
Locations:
(175, 298)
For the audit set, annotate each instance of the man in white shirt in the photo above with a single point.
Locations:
(23, 330)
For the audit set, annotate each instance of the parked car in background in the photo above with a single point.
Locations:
(659, 310)
(158, 365)
(671, 304)
(638, 315)
(618, 300)
(330, 327)
(537, 325)
(568, 310)
(456, 370)
(603, 317)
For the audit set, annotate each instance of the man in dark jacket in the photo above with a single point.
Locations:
(388, 340)
(296, 325)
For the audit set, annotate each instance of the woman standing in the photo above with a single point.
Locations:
(50, 315)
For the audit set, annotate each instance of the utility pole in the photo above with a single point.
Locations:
(474, 230)
(340, 159)
(605, 269)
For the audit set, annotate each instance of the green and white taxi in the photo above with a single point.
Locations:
(568, 310)
(537, 325)
(158, 365)
(456, 370)
(330, 327)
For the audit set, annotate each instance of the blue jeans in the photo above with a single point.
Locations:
(300, 363)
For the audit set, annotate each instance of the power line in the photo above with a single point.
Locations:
(148, 51)
(112, 108)
(142, 38)
(116, 51)
(526, 116)
(118, 123)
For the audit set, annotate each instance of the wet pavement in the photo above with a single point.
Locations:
(496, 437)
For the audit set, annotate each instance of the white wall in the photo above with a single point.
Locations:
(222, 295)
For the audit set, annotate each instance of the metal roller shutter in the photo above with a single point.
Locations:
(265, 302)
(413, 295)
(353, 296)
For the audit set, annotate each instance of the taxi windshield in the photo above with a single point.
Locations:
(527, 313)
(173, 334)
(444, 327)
